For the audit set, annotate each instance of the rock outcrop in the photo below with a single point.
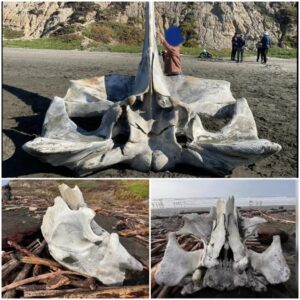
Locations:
(204, 24)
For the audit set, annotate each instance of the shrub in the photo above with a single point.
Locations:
(191, 43)
(105, 32)
(98, 32)
(12, 34)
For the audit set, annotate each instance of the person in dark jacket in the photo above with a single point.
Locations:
(234, 46)
(259, 49)
(240, 48)
(266, 45)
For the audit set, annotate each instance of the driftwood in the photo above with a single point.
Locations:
(9, 267)
(37, 278)
(6, 256)
(277, 219)
(37, 270)
(51, 293)
(159, 248)
(164, 291)
(88, 283)
(53, 265)
(13, 263)
(141, 291)
(153, 270)
(23, 274)
(25, 270)
(20, 248)
(57, 282)
(31, 287)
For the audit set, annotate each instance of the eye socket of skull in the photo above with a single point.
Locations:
(87, 123)
(213, 123)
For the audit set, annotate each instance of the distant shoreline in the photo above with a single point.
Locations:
(168, 212)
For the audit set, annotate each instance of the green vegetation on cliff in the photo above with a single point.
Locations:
(106, 32)
(9, 33)
(74, 42)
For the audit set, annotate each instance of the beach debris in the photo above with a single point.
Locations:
(265, 234)
(225, 258)
(77, 242)
(30, 272)
(149, 121)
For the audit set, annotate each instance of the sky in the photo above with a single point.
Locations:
(166, 188)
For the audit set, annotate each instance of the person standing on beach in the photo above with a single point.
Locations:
(259, 49)
(266, 45)
(240, 48)
(234, 46)
(171, 57)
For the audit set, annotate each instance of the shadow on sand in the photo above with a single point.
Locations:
(29, 127)
(21, 163)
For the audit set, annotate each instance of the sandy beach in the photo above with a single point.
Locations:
(31, 78)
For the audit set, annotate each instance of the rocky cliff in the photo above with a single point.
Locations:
(204, 24)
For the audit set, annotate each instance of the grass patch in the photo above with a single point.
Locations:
(12, 34)
(132, 192)
(64, 42)
(139, 188)
(283, 52)
(73, 41)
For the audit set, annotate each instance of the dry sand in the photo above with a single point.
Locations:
(31, 78)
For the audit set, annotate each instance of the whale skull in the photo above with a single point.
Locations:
(149, 121)
(77, 242)
(224, 263)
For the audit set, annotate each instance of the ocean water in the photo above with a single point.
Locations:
(209, 202)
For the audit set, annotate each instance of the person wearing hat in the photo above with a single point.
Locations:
(171, 56)
(266, 45)
(240, 48)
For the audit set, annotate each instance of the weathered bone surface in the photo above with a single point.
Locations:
(77, 242)
(224, 263)
(149, 121)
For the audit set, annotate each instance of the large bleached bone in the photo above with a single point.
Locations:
(77, 242)
(149, 121)
(271, 263)
(177, 263)
(217, 238)
(199, 225)
(251, 225)
(234, 239)
(224, 263)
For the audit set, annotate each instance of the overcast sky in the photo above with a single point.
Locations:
(166, 188)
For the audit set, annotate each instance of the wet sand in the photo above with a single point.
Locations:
(31, 78)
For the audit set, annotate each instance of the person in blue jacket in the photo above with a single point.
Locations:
(266, 45)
